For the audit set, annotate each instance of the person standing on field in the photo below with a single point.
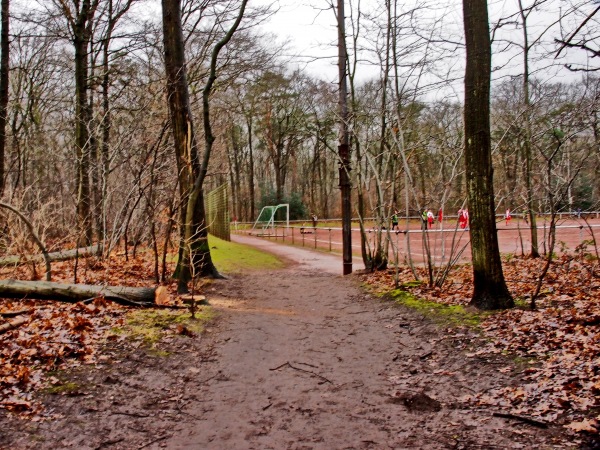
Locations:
(395, 220)
(430, 218)
(462, 220)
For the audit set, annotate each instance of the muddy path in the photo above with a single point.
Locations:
(299, 358)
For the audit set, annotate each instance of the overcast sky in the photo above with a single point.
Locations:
(309, 32)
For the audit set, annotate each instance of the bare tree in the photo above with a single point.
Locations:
(80, 17)
(489, 287)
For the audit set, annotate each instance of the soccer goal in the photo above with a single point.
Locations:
(268, 220)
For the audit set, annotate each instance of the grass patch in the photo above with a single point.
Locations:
(150, 325)
(522, 303)
(449, 315)
(64, 388)
(232, 257)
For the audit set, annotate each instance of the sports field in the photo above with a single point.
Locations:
(445, 239)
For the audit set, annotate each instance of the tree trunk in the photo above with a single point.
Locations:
(490, 291)
(83, 115)
(194, 252)
(45, 290)
(344, 142)
(527, 138)
(4, 67)
(182, 126)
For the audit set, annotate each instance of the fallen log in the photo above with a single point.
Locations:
(63, 255)
(12, 324)
(46, 290)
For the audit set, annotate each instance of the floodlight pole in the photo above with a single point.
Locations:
(344, 147)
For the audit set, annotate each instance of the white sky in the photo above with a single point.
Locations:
(311, 32)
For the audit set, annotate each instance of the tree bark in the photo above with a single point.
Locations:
(81, 26)
(34, 236)
(344, 142)
(4, 68)
(249, 124)
(45, 290)
(489, 290)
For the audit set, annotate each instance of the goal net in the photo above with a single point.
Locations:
(271, 217)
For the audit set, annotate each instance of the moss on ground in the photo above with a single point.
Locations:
(450, 315)
(62, 388)
(150, 325)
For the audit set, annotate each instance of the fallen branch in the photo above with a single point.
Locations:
(528, 420)
(15, 313)
(12, 324)
(325, 380)
(46, 290)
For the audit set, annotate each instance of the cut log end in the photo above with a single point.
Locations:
(161, 296)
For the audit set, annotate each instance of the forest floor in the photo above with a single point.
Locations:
(302, 358)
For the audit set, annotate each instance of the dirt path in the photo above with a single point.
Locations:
(301, 358)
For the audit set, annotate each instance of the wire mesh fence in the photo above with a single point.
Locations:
(217, 212)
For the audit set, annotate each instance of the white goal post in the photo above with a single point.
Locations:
(266, 219)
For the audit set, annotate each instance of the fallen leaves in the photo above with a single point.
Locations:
(59, 335)
(556, 348)
(590, 425)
